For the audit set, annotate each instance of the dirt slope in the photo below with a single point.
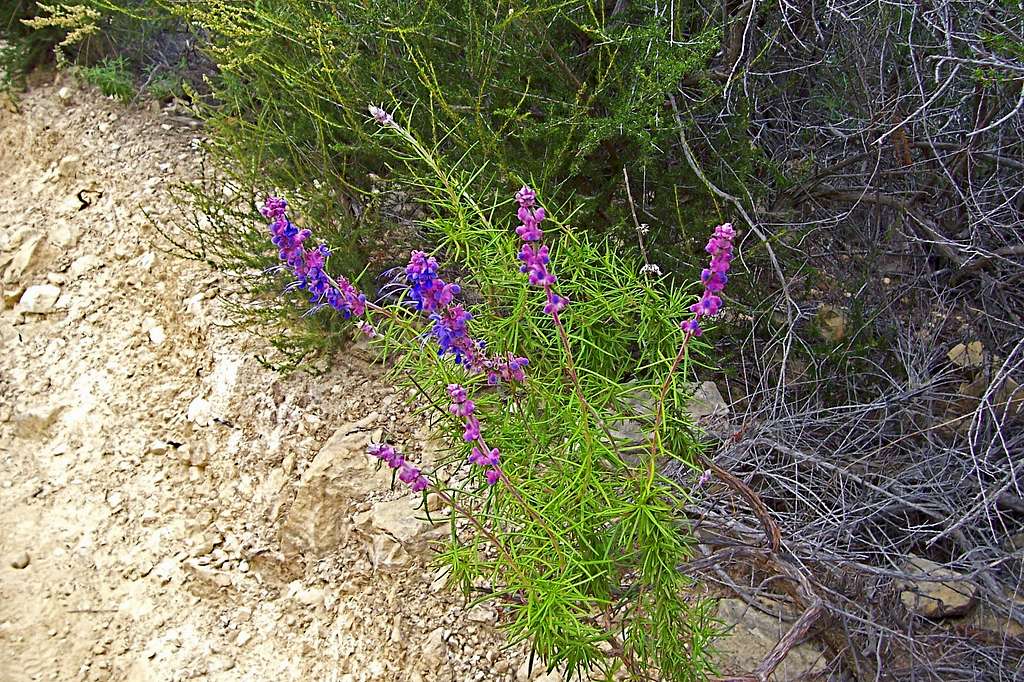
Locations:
(168, 508)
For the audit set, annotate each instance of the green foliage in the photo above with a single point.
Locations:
(112, 76)
(566, 94)
(583, 548)
(586, 534)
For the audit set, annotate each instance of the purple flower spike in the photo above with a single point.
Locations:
(526, 197)
(481, 455)
(535, 257)
(472, 431)
(380, 116)
(387, 454)
(407, 473)
(485, 459)
(307, 265)
(713, 277)
(450, 328)
(412, 476)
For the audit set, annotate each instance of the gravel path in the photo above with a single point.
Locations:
(169, 508)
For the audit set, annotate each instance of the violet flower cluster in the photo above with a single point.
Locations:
(308, 264)
(534, 254)
(482, 456)
(713, 277)
(407, 473)
(435, 297)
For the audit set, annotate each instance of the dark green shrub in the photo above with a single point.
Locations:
(567, 96)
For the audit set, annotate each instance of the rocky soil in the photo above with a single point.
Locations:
(172, 509)
(169, 507)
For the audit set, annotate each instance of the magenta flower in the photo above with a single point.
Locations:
(472, 431)
(407, 473)
(535, 257)
(380, 116)
(308, 264)
(481, 455)
(450, 329)
(713, 278)
(485, 459)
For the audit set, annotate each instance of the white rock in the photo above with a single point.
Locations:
(158, 447)
(67, 169)
(199, 412)
(157, 336)
(39, 299)
(85, 264)
(64, 94)
(23, 258)
(753, 635)
(63, 234)
(707, 402)
(434, 651)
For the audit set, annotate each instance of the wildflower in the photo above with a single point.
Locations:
(307, 265)
(704, 479)
(450, 331)
(651, 269)
(387, 454)
(435, 297)
(407, 473)
(481, 455)
(472, 431)
(380, 116)
(509, 368)
(535, 258)
(367, 328)
(429, 291)
(485, 459)
(713, 278)
(412, 476)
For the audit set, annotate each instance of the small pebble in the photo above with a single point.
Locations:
(20, 560)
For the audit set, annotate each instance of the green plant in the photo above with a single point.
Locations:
(581, 541)
(112, 76)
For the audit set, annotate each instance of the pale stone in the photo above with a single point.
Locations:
(85, 264)
(950, 596)
(199, 412)
(23, 258)
(967, 355)
(753, 635)
(340, 474)
(63, 234)
(707, 402)
(157, 336)
(434, 650)
(39, 299)
(831, 324)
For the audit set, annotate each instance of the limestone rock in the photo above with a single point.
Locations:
(340, 474)
(39, 299)
(199, 412)
(831, 324)
(753, 635)
(23, 259)
(84, 264)
(940, 593)
(434, 651)
(394, 532)
(63, 234)
(967, 355)
(20, 560)
(707, 403)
